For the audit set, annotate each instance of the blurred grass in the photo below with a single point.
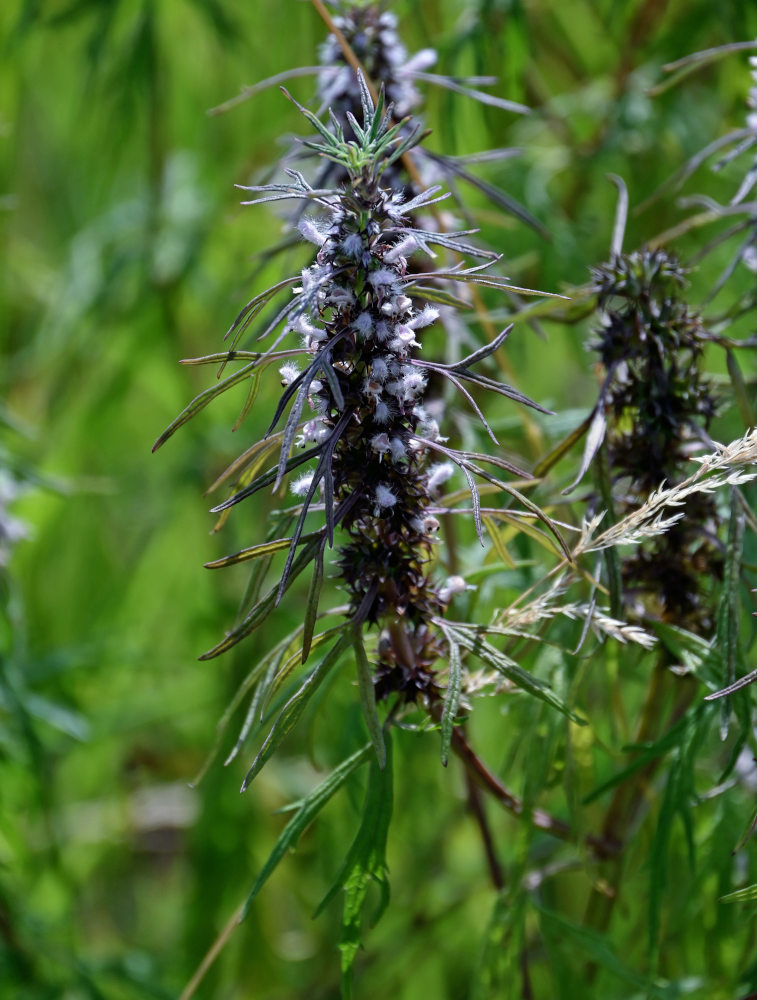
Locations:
(124, 249)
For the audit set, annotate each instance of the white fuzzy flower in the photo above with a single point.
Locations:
(289, 373)
(379, 369)
(384, 496)
(404, 248)
(380, 444)
(424, 318)
(452, 585)
(398, 450)
(382, 278)
(363, 324)
(439, 474)
(309, 229)
(302, 484)
(383, 413)
(353, 245)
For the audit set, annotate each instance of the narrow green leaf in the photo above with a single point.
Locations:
(745, 895)
(258, 551)
(309, 808)
(291, 712)
(562, 448)
(611, 557)
(258, 614)
(201, 401)
(364, 865)
(510, 669)
(311, 606)
(368, 695)
(252, 395)
(740, 390)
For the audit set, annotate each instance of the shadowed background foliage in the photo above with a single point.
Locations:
(125, 249)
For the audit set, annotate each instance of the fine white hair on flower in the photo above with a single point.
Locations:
(289, 373)
(353, 245)
(304, 326)
(426, 317)
(380, 443)
(384, 496)
(452, 585)
(309, 229)
(397, 449)
(383, 332)
(382, 278)
(383, 413)
(372, 389)
(427, 525)
(402, 249)
(413, 383)
(313, 432)
(363, 324)
(302, 484)
(439, 474)
(379, 369)
(339, 297)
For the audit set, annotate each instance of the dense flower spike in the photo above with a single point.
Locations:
(377, 457)
(657, 406)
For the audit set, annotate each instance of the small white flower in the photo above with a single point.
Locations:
(364, 324)
(313, 432)
(424, 318)
(379, 369)
(311, 232)
(404, 248)
(340, 297)
(384, 496)
(452, 585)
(383, 413)
(372, 388)
(382, 278)
(397, 449)
(353, 245)
(380, 444)
(427, 525)
(289, 373)
(439, 474)
(413, 383)
(301, 485)
(383, 332)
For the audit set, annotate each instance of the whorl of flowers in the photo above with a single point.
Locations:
(657, 406)
(371, 33)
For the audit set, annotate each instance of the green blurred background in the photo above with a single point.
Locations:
(124, 250)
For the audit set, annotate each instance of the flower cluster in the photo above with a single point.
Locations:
(371, 33)
(657, 405)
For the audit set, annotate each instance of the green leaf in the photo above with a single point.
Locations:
(252, 395)
(364, 864)
(201, 401)
(291, 712)
(311, 606)
(745, 895)
(258, 551)
(309, 808)
(368, 695)
(562, 448)
(502, 663)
